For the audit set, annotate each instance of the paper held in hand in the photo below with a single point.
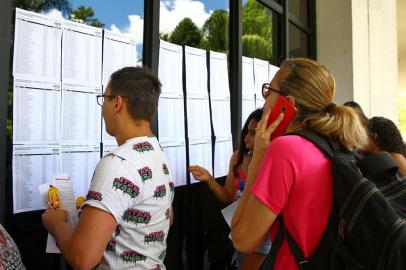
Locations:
(62, 182)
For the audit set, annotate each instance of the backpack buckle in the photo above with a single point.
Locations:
(302, 265)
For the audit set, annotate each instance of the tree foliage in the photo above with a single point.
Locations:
(256, 20)
(186, 33)
(215, 31)
(257, 46)
(257, 31)
(85, 15)
(42, 5)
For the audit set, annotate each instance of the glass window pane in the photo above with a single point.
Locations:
(200, 24)
(298, 8)
(260, 35)
(298, 42)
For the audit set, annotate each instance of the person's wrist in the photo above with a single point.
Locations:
(211, 182)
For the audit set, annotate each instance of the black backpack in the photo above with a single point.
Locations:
(366, 228)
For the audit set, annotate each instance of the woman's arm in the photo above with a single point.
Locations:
(252, 218)
(224, 194)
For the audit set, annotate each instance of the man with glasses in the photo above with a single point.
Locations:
(125, 219)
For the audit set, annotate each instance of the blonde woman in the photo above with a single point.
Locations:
(294, 178)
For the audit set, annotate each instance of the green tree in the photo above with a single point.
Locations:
(186, 33)
(256, 46)
(85, 15)
(40, 5)
(257, 31)
(164, 36)
(257, 19)
(215, 30)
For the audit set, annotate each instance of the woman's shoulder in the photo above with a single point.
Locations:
(291, 144)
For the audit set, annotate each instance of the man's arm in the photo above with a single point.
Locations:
(83, 248)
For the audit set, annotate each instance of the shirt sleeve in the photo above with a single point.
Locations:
(114, 188)
(276, 175)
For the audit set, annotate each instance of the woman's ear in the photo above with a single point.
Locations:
(291, 99)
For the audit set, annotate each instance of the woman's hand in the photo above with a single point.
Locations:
(200, 173)
(263, 133)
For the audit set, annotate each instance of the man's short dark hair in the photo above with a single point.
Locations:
(140, 87)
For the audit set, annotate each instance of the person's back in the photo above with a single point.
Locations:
(294, 179)
(125, 219)
(133, 184)
(10, 257)
(299, 186)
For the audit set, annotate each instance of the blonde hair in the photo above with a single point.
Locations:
(313, 87)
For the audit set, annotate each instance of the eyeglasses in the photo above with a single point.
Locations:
(100, 98)
(267, 89)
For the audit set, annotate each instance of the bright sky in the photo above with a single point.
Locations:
(126, 16)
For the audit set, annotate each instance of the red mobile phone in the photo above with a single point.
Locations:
(282, 105)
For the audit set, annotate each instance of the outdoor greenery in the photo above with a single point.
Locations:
(85, 15)
(257, 32)
(186, 33)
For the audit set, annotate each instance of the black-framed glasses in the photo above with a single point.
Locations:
(267, 89)
(100, 98)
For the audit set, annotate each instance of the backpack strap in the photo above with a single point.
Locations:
(377, 163)
(328, 147)
(293, 247)
(270, 259)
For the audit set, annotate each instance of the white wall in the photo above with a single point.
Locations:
(357, 40)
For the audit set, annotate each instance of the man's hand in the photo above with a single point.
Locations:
(52, 218)
(200, 173)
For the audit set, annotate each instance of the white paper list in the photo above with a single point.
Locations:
(219, 84)
(32, 166)
(37, 47)
(248, 106)
(248, 88)
(261, 74)
(196, 71)
(222, 154)
(79, 163)
(171, 118)
(198, 117)
(81, 116)
(176, 154)
(170, 68)
(36, 112)
(81, 54)
(118, 51)
(221, 116)
(200, 153)
(248, 83)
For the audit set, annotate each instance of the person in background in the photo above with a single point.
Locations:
(359, 111)
(10, 257)
(238, 164)
(385, 136)
(125, 219)
(290, 176)
(235, 184)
